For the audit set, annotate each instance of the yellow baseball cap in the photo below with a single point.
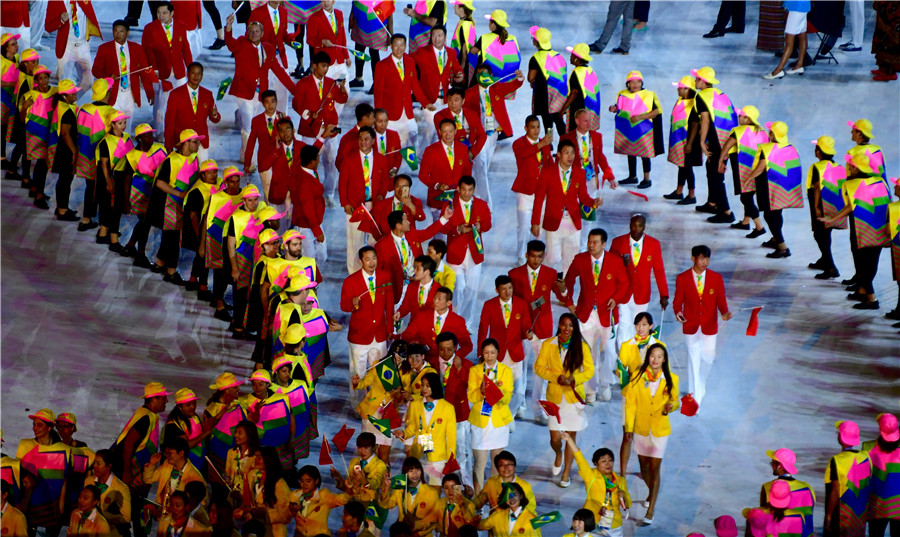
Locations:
(499, 17)
(283, 361)
(185, 395)
(706, 73)
(295, 334)
(291, 234)
(825, 144)
(66, 87)
(189, 134)
(155, 389)
(685, 82)
(582, 51)
(860, 161)
(30, 55)
(118, 116)
(209, 165)
(268, 235)
(41, 70)
(634, 75)
(269, 213)
(225, 380)
(67, 417)
(261, 374)
(751, 112)
(468, 3)
(541, 35)
(44, 414)
(143, 128)
(780, 130)
(300, 282)
(6, 37)
(231, 170)
(250, 191)
(100, 88)
(862, 125)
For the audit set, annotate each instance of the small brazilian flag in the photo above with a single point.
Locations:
(361, 54)
(377, 515)
(409, 155)
(398, 482)
(446, 195)
(624, 375)
(505, 491)
(543, 520)
(387, 374)
(655, 331)
(223, 87)
(479, 245)
(384, 426)
(588, 213)
(296, 45)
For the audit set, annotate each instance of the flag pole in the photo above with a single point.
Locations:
(213, 466)
(379, 361)
(751, 308)
(133, 72)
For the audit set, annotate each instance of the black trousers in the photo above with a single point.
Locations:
(64, 188)
(222, 278)
(17, 153)
(868, 267)
(39, 178)
(374, 53)
(210, 7)
(632, 165)
(136, 6)
(641, 11)
(241, 295)
(111, 206)
(877, 526)
(749, 203)
(90, 203)
(170, 248)
(140, 233)
(776, 221)
(733, 11)
(199, 270)
(715, 182)
(550, 120)
(686, 175)
(822, 236)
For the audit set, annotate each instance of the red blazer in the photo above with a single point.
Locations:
(600, 164)
(474, 134)
(169, 59)
(349, 142)
(306, 97)
(180, 114)
(370, 320)
(318, 28)
(15, 14)
(498, 93)
(389, 258)
(393, 94)
(276, 39)
(639, 276)
(189, 14)
(613, 284)
(351, 186)
(458, 244)
(431, 79)
(700, 312)
(52, 23)
(259, 133)
(283, 174)
(456, 389)
(248, 73)
(410, 305)
(509, 337)
(546, 283)
(422, 331)
(391, 147)
(435, 168)
(528, 169)
(381, 210)
(550, 188)
(106, 65)
(308, 197)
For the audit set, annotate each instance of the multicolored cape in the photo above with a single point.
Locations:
(553, 66)
(59, 111)
(466, 30)
(315, 346)
(635, 139)
(118, 148)
(247, 227)
(148, 445)
(853, 475)
(222, 438)
(748, 139)
(274, 426)
(221, 207)
(721, 113)
(678, 130)
(831, 181)
(784, 177)
(869, 199)
(144, 165)
(884, 499)
(93, 123)
(299, 11)
(504, 58)
(894, 224)
(369, 16)
(10, 473)
(38, 118)
(419, 33)
(590, 89)
(183, 173)
(49, 464)
(11, 79)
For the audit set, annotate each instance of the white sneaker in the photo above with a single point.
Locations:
(590, 397)
(605, 393)
(770, 76)
(512, 426)
(797, 71)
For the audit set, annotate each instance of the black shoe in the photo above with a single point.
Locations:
(191, 286)
(893, 315)
(298, 72)
(721, 218)
(90, 225)
(731, 30)
(896, 325)
(673, 196)
(131, 21)
(68, 216)
(866, 305)
(849, 281)
(629, 181)
(204, 295)
(646, 183)
(102, 240)
(141, 261)
(619, 50)
(706, 208)
(828, 275)
(771, 243)
(712, 34)
(157, 268)
(129, 251)
(756, 233)
(859, 297)
(595, 48)
(174, 278)
(11, 174)
(41, 203)
(690, 200)
(739, 225)
(229, 307)
(217, 44)
(818, 265)
(778, 254)
(357, 83)
(238, 334)
(223, 315)
(116, 248)
(370, 91)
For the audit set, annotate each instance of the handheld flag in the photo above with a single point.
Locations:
(366, 221)
(361, 54)
(638, 194)
(689, 406)
(624, 375)
(612, 325)
(325, 454)
(552, 410)
(543, 520)
(398, 482)
(296, 45)
(377, 515)
(390, 413)
(451, 466)
(341, 439)
(409, 156)
(387, 374)
(446, 195)
(753, 325)
(505, 492)
(656, 331)
(383, 425)
(588, 213)
(479, 244)
(492, 393)
(223, 87)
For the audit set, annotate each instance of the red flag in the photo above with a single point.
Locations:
(689, 406)
(366, 221)
(753, 325)
(390, 413)
(638, 194)
(383, 10)
(341, 439)
(552, 410)
(451, 466)
(492, 392)
(325, 454)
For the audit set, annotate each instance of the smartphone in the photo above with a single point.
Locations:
(409, 6)
(336, 130)
(559, 275)
(458, 489)
(404, 191)
(357, 468)
(549, 130)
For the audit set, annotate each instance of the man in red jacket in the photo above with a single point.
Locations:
(263, 131)
(401, 200)
(563, 187)
(190, 107)
(286, 162)
(465, 244)
(16, 21)
(589, 151)
(455, 372)
(309, 205)
(531, 282)
(122, 57)
(365, 117)
(444, 163)
(74, 24)
(468, 122)
(437, 66)
(166, 46)
(325, 32)
(531, 152)
(366, 296)
(395, 86)
(642, 255)
(387, 141)
(430, 323)
(604, 285)
(419, 293)
(699, 292)
(362, 182)
(398, 249)
(506, 319)
(274, 20)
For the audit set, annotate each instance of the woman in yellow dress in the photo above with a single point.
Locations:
(431, 424)
(270, 496)
(490, 423)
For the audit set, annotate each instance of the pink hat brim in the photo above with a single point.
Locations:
(533, 31)
(188, 400)
(195, 137)
(36, 417)
(157, 394)
(851, 124)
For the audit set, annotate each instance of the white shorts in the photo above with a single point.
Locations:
(650, 446)
(571, 417)
(489, 437)
(796, 23)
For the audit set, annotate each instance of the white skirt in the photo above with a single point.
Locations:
(796, 23)
(650, 446)
(490, 437)
(571, 417)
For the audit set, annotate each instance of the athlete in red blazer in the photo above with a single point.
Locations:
(528, 167)
(651, 260)
(391, 149)
(348, 142)
(106, 65)
(700, 312)
(422, 331)
(306, 98)
(54, 22)
(456, 388)
(498, 92)
(545, 284)
(318, 28)
(601, 166)
(259, 134)
(15, 14)
(168, 59)
(435, 169)
(474, 134)
(550, 189)
(263, 15)
(248, 73)
(389, 258)
(351, 185)
(392, 93)
(458, 243)
(510, 336)
(369, 320)
(180, 114)
(613, 284)
(410, 305)
(431, 78)
(284, 172)
(308, 198)
(381, 210)
(189, 14)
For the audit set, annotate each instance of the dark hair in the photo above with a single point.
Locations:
(466, 180)
(312, 472)
(536, 246)
(885, 446)
(640, 217)
(446, 336)
(381, 111)
(468, 530)
(363, 110)
(410, 463)
(564, 144)
(194, 64)
(455, 91)
(601, 452)
(434, 382)
(517, 488)
(169, 5)
(369, 130)
(284, 121)
(400, 529)
(177, 417)
(355, 509)
(485, 67)
(249, 429)
(365, 440)
(404, 177)
(446, 121)
(451, 477)
(105, 454)
(599, 232)
(500, 280)
(417, 349)
(365, 249)
(489, 341)
(504, 456)
(778, 513)
(94, 490)
(439, 27)
(179, 444)
(224, 516)
(396, 37)
(427, 263)
(575, 357)
(447, 292)
(394, 219)
(439, 246)
(665, 366)
(274, 473)
(644, 315)
(120, 22)
(701, 250)
(196, 491)
(267, 93)
(531, 118)
(308, 154)
(586, 516)
(321, 57)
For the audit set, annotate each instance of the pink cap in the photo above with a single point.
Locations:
(887, 425)
(848, 432)
(786, 457)
(780, 494)
(726, 526)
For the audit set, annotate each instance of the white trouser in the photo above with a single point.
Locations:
(524, 207)
(464, 451)
(428, 134)
(627, 312)
(24, 35)
(701, 351)
(359, 362)
(125, 104)
(195, 41)
(520, 376)
(281, 92)
(246, 109)
(603, 351)
(356, 239)
(563, 244)
(434, 471)
(160, 101)
(857, 21)
(465, 294)
(481, 166)
(77, 53)
(37, 15)
(337, 71)
(265, 177)
(406, 128)
(313, 248)
(202, 153)
(538, 384)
